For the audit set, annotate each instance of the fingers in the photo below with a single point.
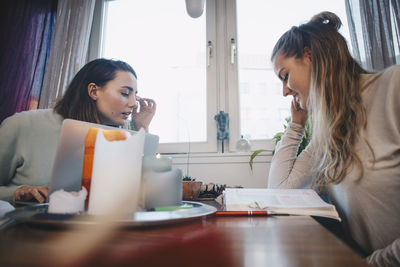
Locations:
(146, 101)
(35, 194)
(149, 101)
(293, 104)
(299, 115)
(31, 192)
(146, 104)
(43, 190)
(19, 194)
(293, 107)
(135, 109)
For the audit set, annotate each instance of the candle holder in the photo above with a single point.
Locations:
(161, 188)
(158, 163)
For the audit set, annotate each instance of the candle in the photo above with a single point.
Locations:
(161, 185)
(161, 189)
(157, 163)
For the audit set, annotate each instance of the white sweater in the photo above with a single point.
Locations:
(28, 142)
(369, 207)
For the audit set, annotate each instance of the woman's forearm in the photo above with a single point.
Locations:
(287, 169)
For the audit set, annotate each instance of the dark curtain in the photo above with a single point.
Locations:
(26, 32)
(375, 32)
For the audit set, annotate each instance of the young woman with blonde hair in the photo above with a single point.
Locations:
(354, 153)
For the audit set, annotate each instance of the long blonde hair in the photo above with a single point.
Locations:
(334, 103)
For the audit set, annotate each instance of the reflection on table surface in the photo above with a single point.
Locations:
(206, 241)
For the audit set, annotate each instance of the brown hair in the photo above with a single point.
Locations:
(76, 103)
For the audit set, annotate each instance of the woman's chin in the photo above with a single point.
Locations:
(120, 123)
(114, 123)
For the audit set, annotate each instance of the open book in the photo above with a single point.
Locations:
(278, 201)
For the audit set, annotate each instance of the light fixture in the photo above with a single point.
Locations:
(194, 8)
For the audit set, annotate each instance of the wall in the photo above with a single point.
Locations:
(231, 169)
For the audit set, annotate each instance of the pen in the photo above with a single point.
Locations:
(243, 213)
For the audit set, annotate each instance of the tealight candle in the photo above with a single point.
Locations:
(157, 163)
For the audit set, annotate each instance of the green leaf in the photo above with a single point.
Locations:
(255, 153)
(277, 137)
(188, 178)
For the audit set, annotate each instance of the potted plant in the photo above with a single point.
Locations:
(277, 137)
(190, 188)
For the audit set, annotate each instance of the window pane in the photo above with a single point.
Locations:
(260, 24)
(166, 48)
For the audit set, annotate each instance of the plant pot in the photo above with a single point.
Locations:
(190, 190)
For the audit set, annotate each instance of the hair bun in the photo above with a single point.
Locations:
(327, 18)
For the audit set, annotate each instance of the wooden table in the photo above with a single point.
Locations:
(208, 241)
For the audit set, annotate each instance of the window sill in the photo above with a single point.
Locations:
(220, 158)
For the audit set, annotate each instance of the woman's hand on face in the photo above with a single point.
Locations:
(299, 115)
(144, 113)
(27, 192)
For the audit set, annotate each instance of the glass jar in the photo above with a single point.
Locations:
(243, 145)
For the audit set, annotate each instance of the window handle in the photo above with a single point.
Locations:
(209, 53)
(233, 51)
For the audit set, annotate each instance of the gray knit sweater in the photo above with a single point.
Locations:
(28, 142)
(369, 207)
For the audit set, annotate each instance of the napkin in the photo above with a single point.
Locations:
(67, 202)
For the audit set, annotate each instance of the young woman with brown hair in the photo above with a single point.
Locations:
(103, 91)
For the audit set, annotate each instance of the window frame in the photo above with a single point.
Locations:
(222, 77)
(210, 145)
(232, 89)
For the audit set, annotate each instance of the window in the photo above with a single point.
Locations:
(194, 68)
(259, 26)
(167, 49)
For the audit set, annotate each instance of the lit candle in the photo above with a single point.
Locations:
(157, 163)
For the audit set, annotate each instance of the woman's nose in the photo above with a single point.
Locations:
(286, 90)
(133, 102)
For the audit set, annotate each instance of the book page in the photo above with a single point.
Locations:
(291, 201)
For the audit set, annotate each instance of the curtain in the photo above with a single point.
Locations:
(375, 32)
(70, 48)
(26, 31)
